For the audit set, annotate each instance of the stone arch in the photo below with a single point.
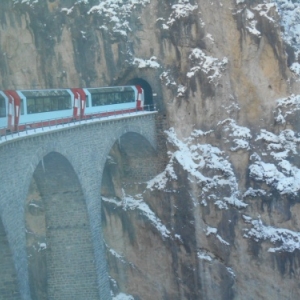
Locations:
(129, 161)
(59, 241)
(147, 90)
(122, 130)
(9, 288)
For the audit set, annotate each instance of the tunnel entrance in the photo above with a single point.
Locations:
(148, 102)
(59, 242)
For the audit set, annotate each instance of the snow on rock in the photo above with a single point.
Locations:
(198, 160)
(289, 11)
(182, 10)
(148, 63)
(286, 180)
(265, 10)
(285, 240)
(210, 66)
(251, 15)
(231, 272)
(42, 246)
(286, 143)
(130, 203)
(241, 135)
(212, 230)
(28, 2)
(68, 11)
(295, 67)
(181, 90)
(160, 181)
(286, 107)
(204, 255)
(167, 79)
(117, 255)
(251, 23)
(254, 193)
(278, 171)
(115, 14)
(122, 296)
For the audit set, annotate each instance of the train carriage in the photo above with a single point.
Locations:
(37, 108)
(105, 100)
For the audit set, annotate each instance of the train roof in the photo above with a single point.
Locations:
(45, 93)
(110, 89)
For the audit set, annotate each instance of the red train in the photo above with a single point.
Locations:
(21, 109)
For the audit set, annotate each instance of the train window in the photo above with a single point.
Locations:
(112, 97)
(96, 99)
(2, 108)
(101, 99)
(128, 96)
(104, 99)
(30, 106)
(46, 104)
(63, 103)
(118, 98)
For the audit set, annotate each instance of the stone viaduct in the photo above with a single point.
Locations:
(51, 244)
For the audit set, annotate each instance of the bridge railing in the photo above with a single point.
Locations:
(50, 124)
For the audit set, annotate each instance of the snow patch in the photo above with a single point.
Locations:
(240, 134)
(198, 160)
(269, 173)
(115, 14)
(28, 2)
(42, 246)
(122, 296)
(254, 193)
(208, 65)
(117, 255)
(167, 79)
(278, 172)
(203, 255)
(148, 63)
(182, 10)
(181, 90)
(286, 107)
(286, 240)
(212, 230)
(130, 203)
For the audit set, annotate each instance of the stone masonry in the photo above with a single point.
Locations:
(75, 259)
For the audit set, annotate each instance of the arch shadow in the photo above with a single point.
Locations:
(122, 131)
(9, 287)
(59, 241)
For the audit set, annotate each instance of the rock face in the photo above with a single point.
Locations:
(221, 219)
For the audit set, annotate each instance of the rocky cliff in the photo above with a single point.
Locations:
(220, 218)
